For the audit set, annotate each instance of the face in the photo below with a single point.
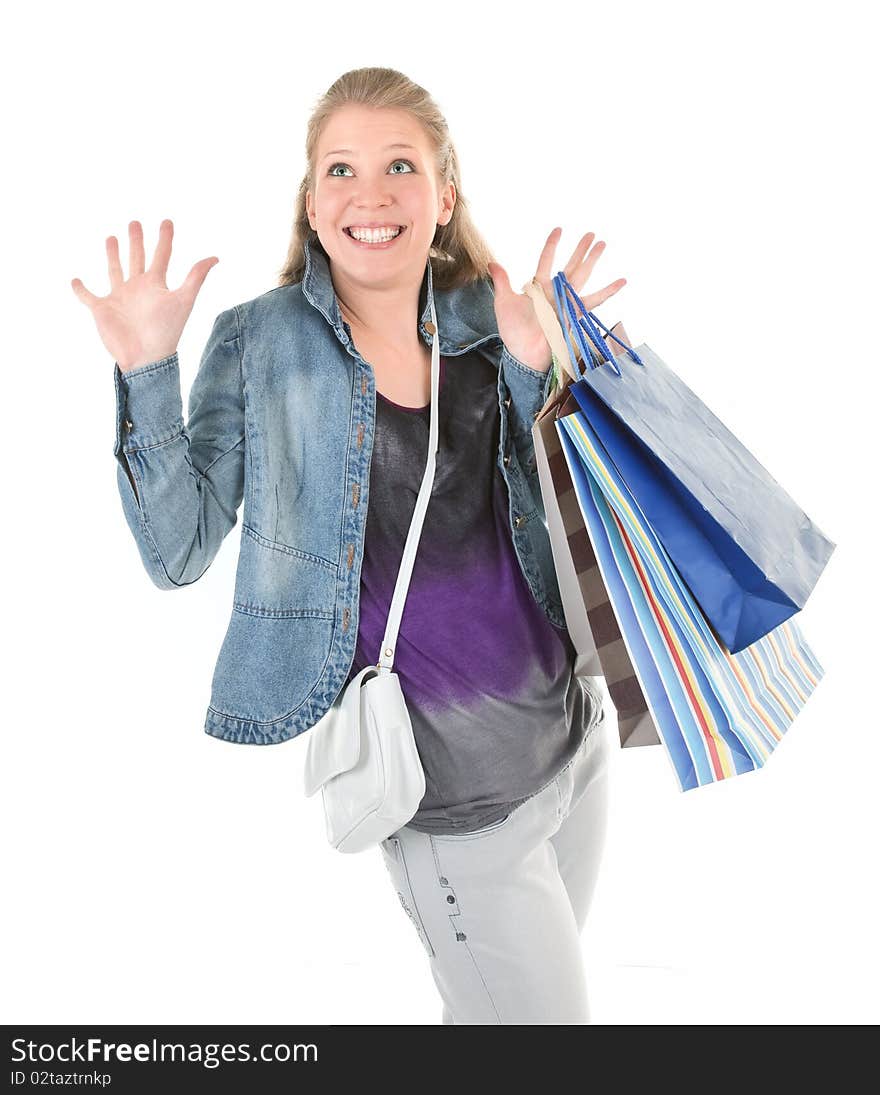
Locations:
(361, 180)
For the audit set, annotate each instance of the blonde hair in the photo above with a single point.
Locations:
(458, 253)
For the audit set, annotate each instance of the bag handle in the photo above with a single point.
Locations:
(568, 355)
(563, 304)
(610, 332)
(588, 323)
(553, 332)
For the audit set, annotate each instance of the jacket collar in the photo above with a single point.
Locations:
(465, 315)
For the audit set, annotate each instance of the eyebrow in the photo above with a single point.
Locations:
(351, 152)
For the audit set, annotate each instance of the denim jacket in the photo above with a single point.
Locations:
(282, 415)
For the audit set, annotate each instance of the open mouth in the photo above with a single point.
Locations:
(378, 244)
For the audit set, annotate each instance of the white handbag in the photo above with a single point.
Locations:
(362, 753)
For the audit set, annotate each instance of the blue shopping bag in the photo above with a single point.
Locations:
(748, 553)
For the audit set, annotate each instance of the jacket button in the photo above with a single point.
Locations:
(507, 459)
(345, 616)
(363, 385)
(350, 559)
(355, 493)
(518, 521)
(430, 328)
(360, 434)
(128, 425)
(507, 402)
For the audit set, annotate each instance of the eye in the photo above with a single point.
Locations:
(407, 162)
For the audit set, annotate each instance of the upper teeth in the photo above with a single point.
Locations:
(374, 235)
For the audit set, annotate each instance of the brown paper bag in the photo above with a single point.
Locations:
(590, 619)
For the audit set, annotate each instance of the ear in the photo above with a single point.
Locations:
(447, 204)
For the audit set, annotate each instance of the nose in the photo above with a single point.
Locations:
(372, 194)
(375, 210)
(364, 204)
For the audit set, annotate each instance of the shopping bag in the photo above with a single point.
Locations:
(748, 553)
(589, 616)
(719, 714)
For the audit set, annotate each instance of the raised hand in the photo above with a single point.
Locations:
(141, 319)
(518, 325)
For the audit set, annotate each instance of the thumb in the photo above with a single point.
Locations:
(499, 279)
(195, 278)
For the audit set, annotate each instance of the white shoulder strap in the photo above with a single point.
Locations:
(386, 655)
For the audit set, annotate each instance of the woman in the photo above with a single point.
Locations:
(497, 867)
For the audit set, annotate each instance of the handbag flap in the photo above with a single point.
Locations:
(335, 739)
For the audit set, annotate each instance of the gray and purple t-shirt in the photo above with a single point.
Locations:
(488, 680)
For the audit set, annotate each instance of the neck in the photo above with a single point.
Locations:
(389, 313)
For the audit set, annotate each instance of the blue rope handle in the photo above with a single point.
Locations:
(560, 311)
(587, 324)
(581, 328)
(607, 331)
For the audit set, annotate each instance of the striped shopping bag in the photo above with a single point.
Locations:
(718, 714)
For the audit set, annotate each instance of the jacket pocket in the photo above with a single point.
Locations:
(280, 632)
(277, 580)
(268, 666)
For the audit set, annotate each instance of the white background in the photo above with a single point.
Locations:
(157, 875)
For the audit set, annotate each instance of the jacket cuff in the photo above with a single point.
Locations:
(529, 389)
(149, 409)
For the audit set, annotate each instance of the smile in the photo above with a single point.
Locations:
(376, 246)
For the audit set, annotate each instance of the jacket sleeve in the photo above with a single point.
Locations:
(182, 484)
(528, 390)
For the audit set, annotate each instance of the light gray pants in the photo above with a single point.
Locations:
(499, 911)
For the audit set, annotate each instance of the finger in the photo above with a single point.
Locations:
(593, 257)
(597, 298)
(83, 294)
(162, 254)
(581, 275)
(114, 267)
(545, 262)
(195, 278)
(135, 249)
(578, 254)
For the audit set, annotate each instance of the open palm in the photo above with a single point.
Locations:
(141, 319)
(518, 324)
